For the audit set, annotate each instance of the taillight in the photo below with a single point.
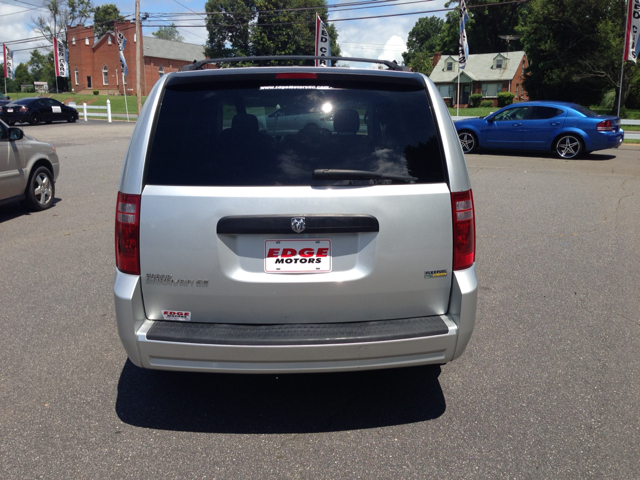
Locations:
(296, 75)
(604, 126)
(128, 233)
(23, 109)
(464, 230)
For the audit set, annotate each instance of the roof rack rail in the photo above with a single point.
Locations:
(197, 65)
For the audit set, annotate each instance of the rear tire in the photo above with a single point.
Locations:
(35, 119)
(40, 190)
(569, 146)
(468, 142)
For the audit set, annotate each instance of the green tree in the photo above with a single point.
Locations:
(265, 27)
(104, 17)
(42, 69)
(574, 57)
(421, 62)
(423, 41)
(169, 32)
(60, 14)
(228, 27)
(23, 77)
(486, 23)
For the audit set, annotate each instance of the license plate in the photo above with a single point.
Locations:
(9, 110)
(297, 256)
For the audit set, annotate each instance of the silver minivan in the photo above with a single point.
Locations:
(343, 243)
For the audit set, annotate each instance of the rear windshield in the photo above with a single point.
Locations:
(585, 111)
(217, 134)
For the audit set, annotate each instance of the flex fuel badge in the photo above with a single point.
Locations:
(435, 273)
(181, 316)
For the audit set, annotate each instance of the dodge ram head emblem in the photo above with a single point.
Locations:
(298, 224)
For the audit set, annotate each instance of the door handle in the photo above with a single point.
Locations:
(517, 124)
(555, 123)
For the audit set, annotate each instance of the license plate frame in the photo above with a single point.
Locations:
(312, 255)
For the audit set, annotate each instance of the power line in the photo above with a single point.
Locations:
(352, 19)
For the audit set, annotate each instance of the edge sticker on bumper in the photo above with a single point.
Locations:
(179, 315)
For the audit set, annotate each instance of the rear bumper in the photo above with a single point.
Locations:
(184, 351)
(14, 117)
(604, 140)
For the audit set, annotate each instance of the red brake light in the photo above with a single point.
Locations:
(128, 233)
(604, 126)
(296, 75)
(464, 230)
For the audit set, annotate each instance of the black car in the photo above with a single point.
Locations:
(36, 110)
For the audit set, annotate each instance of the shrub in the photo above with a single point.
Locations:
(475, 99)
(633, 100)
(505, 98)
(96, 92)
(608, 98)
(487, 103)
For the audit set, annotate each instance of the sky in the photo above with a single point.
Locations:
(381, 38)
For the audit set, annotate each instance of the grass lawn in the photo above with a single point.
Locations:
(117, 101)
(628, 128)
(473, 112)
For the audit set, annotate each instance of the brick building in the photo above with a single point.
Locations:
(486, 73)
(95, 65)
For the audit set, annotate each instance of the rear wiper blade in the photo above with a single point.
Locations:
(339, 174)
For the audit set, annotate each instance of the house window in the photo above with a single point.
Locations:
(160, 71)
(105, 75)
(499, 63)
(446, 91)
(109, 40)
(523, 67)
(73, 40)
(76, 75)
(135, 38)
(86, 41)
(491, 89)
(517, 90)
(449, 66)
(89, 84)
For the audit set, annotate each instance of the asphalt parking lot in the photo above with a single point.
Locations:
(548, 387)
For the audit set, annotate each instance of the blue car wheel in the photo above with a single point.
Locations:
(468, 141)
(569, 146)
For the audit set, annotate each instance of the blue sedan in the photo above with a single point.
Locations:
(567, 129)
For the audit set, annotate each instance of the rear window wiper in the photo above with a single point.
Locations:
(340, 174)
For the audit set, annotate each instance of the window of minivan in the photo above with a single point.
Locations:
(270, 133)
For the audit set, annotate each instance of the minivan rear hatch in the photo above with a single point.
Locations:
(277, 196)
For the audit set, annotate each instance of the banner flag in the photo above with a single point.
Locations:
(9, 72)
(122, 42)
(631, 40)
(463, 48)
(60, 58)
(323, 43)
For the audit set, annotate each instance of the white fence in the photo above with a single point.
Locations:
(86, 114)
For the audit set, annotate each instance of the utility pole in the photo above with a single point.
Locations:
(138, 57)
